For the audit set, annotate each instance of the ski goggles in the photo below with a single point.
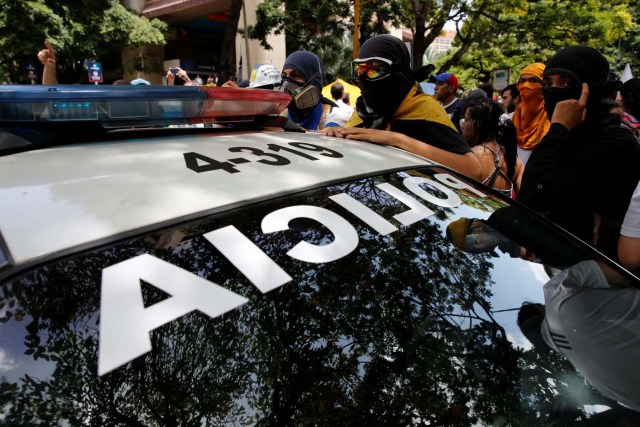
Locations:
(370, 69)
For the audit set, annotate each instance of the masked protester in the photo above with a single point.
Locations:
(584, 170)
(529, 117)
(393, 110)
(302, 79)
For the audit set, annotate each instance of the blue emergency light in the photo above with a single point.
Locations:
(128, 106)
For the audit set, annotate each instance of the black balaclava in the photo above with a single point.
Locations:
(385, 95)
(582, 64)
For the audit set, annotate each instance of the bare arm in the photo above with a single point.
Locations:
(170, 78)
(467, 163)
(629, 253)
(182, 74)
(519, 169)
(613, 277)
(48, 58)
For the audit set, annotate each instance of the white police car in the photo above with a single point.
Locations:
(233, 275)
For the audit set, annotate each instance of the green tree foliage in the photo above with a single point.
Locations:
(376, 16)
(81, 30)
(317, 26)
(532, 31)
(426, 19)
(628, 45)
(489, 34)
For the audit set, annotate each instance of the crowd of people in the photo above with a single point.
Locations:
(563, 141)
(556, 144)
(559, 140)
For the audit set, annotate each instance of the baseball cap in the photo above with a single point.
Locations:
(446, 77)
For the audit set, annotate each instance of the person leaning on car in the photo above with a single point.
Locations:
(593, 320)
(302, 78)
(584, 170)
(393, 110)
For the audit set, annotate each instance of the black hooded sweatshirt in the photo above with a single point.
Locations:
(583, 179)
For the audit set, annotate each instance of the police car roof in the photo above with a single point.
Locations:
(83, 184)
(62, 199)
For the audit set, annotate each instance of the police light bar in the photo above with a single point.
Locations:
(124, 106)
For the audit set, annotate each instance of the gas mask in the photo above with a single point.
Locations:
(303, 96)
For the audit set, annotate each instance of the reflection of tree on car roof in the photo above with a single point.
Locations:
(403, 317)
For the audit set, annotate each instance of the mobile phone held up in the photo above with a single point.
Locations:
(174, 70)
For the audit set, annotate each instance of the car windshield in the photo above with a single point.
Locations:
(354, 301)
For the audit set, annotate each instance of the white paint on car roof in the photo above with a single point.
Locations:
(60, 198)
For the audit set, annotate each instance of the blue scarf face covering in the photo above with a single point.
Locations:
(309, 120)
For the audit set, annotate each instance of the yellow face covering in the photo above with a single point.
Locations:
(530, 118)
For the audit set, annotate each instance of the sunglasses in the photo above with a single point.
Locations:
(370, 69)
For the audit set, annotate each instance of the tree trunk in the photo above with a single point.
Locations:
(467, 40)
(422, 39)
(228, 50)
(421, 43)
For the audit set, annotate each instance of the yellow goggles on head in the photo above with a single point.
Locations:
(370, 69)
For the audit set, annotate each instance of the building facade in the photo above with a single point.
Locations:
(443, 43)
(196, 30)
